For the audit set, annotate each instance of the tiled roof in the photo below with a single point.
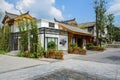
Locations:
(64, 21)
(75, 29)
(11, 15)
(88, 24)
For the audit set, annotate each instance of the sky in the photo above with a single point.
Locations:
(82, 10)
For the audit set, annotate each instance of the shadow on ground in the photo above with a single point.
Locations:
(66, 74)
(114, 58)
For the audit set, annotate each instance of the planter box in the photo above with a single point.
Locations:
(77, 51)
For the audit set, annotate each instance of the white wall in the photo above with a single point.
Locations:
(59, 37)
(14, 28)
(63, 47)
(94, 30)
(45, 23)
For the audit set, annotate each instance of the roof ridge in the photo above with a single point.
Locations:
(65, 20)
(86, 22)
(11, 13)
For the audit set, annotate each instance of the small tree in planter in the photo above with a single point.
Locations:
(72, 45)
(51, 45)
(89, 46)
(51, 49)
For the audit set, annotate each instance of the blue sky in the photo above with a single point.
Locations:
(82, 10)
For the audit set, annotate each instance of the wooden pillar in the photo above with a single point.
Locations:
(82, 42)
(76, 41)
(69, 39)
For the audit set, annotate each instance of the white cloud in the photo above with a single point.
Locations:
(63, 7)
(38, 8)
(114, 7)
(5, 6)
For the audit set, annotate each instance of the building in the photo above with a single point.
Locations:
(91, 28)
(75, 35)
(63, 33)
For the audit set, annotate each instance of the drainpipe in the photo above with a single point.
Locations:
(44, 38)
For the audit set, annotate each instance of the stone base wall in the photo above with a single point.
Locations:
(112, 46)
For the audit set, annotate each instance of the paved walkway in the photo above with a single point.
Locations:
(105, 64)
(10, 63)
(93, 68)
(111, 56)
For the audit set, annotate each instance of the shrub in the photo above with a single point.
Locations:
(77, 50)
(3, 52)
(70, 50)
(20, 54)
(89, 46)
(59, 55)
(54, 54)
(23, 54)
(26, 53)
(40, 50)
(31, 55)
(72, 45)
(51, 45)
(97, 48)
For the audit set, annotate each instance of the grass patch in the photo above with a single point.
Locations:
(22, 54)
(3, 52)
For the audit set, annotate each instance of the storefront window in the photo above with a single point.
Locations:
(48, 39)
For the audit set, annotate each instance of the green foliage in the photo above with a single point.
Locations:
(4, 38)
(23, 29)
(31, 55)
(1, 36)
(40, 50)
(34, 36)
(110, 26)
(51, 45)
(116, 35)
(72, 45)
(97, 48)
(101, 20)
(89, 46)
(20, 54)
(77, 50)
(2, 52)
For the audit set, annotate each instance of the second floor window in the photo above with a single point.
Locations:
(52, 25)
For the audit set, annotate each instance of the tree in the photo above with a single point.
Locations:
(116, 33)
(4, 36)
(34, 36)
(110, 21)
(100, 10)
(0, 33)
(23, 26)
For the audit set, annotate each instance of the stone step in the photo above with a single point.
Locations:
(112, 46)
(13, 53)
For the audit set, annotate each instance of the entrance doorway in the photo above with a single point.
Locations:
(16, 44)
(80, 42)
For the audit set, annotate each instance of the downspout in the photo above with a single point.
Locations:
(44, 38)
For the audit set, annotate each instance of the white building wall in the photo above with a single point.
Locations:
(41, 39)
(45, 23)
(60, 46)
(94, 30)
